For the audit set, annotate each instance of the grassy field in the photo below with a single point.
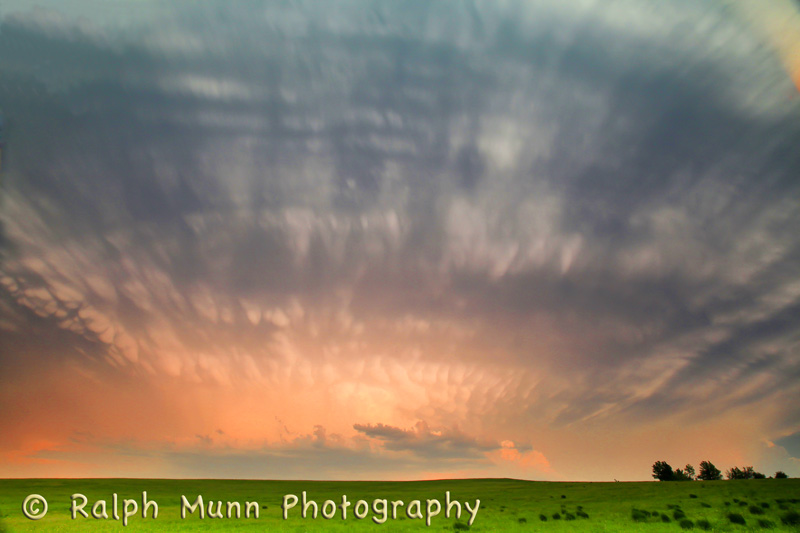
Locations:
(505, 505)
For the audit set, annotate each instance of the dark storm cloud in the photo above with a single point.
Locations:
(600, 199)
(424, 442)
(791, 443)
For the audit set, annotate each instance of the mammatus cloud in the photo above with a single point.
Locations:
(534, 234)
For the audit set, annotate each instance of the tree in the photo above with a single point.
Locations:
(662, 471)
(743, 473)
(709, 472)
(680, 475)
(689, 469)
(780, 475)
(734, 473)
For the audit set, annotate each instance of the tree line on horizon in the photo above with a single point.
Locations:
(662, 471)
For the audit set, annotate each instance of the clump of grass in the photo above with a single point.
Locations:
(693, 495)
(639, 516)
(460, 526)
(665, 518)
(582, 514)
(765, 524)
(783, 506)
(736, 518)
(522, 520)
(792, 518)
(765, 505)
(569, 516)
(563, 496)
(742, 504)
(556, 516)
(755, 509)
(543, 517)
(736, 500)
(686, 524)
(706, 505)
(726, 503)
(704, 524)
(671, 506)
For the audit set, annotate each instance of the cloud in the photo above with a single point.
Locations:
(317, 455)
(493, 218)
(424, 442)
(791, 443)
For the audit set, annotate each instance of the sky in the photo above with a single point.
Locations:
(374, 239)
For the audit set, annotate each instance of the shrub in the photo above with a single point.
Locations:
(736, 518)
(556, 516)
(727, 503)
(569, 516)
(638, 515)
(677, 514)
(563, 496)
(755, 509)
(792, 518)
(780, 475)
(704, 524)
(543, 517)
(693, 495)
(460, 526)
(686, 524)
(765, 524)
(582, 514)
(665, 518)
(706, 505)
(765, 505)
(522, 520)
(742, 504)
(783, 507)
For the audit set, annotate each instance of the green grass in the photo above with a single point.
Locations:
(506, 505)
